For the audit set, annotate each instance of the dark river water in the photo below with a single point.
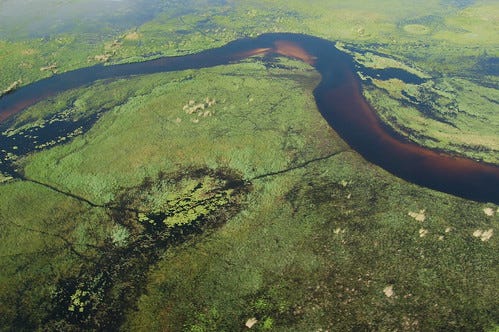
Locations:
(339, 99)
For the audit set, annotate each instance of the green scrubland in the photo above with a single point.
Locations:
(250, 210)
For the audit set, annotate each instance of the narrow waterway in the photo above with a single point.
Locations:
(339, 99)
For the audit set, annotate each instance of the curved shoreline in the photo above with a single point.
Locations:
(339, 99)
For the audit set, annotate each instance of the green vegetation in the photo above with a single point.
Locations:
(456, 115)
(168, 215)
(443, 40)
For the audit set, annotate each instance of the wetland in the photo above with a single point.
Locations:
(125, 205)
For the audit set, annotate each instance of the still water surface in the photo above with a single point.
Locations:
(338, 97)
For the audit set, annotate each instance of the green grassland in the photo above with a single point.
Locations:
(166, 216)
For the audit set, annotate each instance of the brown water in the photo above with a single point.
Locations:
(339, 99)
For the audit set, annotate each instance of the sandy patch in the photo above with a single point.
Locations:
(423, 232)
(419, 216)
(251, 322)
(483, 235)
(132, 36)
(488, 211)
(388, 291)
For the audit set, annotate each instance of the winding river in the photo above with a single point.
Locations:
(339, 99)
